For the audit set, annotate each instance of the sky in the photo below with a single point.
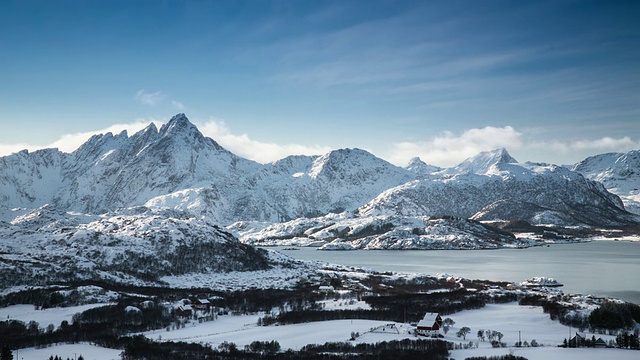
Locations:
(551, 81)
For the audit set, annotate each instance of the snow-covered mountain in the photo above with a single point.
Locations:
(134, 245)
(618, 172)
(493, 186)
(177, 168)
(482, 163)
(419, 167)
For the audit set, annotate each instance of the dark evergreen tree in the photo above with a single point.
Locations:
(6, 354)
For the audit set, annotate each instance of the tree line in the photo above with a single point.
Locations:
(611, 315)
(139, 347)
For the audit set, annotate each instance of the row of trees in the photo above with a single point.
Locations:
(140, 347)
(614, 315)
(610, 316)
(628, 341)
(102, 325)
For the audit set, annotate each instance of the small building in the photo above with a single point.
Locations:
(203, 305)
(577, 341)
(326, 288)
(429, 325)
(600, 343)
(184, 310)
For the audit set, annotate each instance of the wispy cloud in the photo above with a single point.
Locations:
(262, 152)
(148, 98)
(178, 105)
(445, 149)
(240, 144)
(448, 149)
(8, 149)
(70, 142)
(584, 147)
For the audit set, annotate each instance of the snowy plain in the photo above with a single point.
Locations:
(508, 319)
(44, 317)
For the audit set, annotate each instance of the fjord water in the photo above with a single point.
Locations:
(601, 268)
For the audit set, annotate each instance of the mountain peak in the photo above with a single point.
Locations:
(417, 166)
(179, 123)
(416, 161)
(503, 156)
(481, 163)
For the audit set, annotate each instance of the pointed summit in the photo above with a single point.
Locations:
(178, 124)
(417, 166)
(481, 163)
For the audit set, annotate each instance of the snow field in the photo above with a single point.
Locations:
(55, 316)
(242, 330)
(551, 353)
(70, 351)
(508, 319)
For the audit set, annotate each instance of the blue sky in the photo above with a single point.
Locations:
(551, 81)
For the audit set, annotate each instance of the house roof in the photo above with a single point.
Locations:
(601, 342)
(430, 317)
(428, 320)
(203, 301)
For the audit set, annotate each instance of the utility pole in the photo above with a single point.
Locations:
(519, 339)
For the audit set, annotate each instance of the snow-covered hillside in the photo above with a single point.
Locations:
(134, 245)
(492, 186)
(347, 231)
(618, 172)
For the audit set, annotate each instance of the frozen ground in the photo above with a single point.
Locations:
(55, 316)
(551, 353)
(509, 319)
(505, 318)
(71, 351)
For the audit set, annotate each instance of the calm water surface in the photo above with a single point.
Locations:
(601, 268)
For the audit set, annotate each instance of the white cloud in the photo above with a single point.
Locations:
(8, 149)
(70, 142)
(603, 144)
(241, 145)
(448, 149)
(148, 98)
(570, 152)
(246, 147)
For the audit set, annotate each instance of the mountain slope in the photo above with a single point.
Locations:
(135, 245)
(348, 231)
(552, 192)
(419, 167)
(482, 163)
(129, 171)
(31, 180)
(618, 172)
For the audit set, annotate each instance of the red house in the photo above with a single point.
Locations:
(429, 325)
